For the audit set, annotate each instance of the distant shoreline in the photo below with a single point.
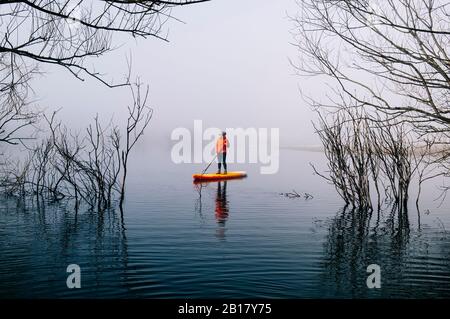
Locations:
(436, 149)
(308, 148)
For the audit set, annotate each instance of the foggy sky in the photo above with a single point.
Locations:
(227, 64)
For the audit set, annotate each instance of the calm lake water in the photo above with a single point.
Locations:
(238, 239)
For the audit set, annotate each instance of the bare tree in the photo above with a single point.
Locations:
(15, 112)
(364, 152)
(67, 34)
(389, 58)
(139, 115)
(346, 148)
(88, 168)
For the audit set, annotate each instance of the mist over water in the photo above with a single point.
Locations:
(228, 68)
(239, 239)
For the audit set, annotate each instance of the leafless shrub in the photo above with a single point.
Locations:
(347, 152)
(364, 152)
(90, 169)
(389, 61)
(138, 119)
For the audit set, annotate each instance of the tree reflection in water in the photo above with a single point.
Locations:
(357, 238)
(47, 238)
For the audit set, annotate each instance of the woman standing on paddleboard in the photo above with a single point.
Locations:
(222, 145)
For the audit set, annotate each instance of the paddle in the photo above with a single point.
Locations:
(203, 172)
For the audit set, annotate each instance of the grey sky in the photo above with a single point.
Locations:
(227, 65)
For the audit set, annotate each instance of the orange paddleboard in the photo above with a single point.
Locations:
(218, 177)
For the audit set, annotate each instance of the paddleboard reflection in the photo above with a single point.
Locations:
(221, 209)
(220, 204)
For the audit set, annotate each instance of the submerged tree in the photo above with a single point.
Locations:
(391, 59)
(370, 158)
(87, 168)
(69, 34)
